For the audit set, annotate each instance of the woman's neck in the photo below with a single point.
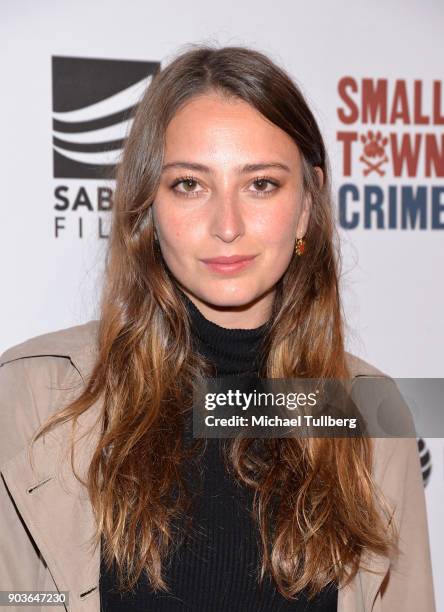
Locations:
(233, 351)
(251, 316)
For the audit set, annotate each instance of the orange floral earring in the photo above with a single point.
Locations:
(299, 249)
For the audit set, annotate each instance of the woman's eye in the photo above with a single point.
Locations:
(264, 185)
(188, 185)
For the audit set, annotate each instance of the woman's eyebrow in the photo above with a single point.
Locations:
(239, 169)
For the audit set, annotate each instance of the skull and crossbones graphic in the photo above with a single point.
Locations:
(374, 148)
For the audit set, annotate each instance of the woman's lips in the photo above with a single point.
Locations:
(226, 265)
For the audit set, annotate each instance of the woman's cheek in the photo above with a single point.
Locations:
(279, 234)
(278, 226)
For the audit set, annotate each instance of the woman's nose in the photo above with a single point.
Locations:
(227, 220)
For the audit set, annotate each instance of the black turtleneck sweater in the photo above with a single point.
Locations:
(215, 567)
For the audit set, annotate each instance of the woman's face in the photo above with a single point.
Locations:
(231, 185)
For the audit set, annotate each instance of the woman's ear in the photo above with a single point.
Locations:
(304, 217)
(153, 218)
(320, 174)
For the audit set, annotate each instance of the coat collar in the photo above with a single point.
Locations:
(56, 509)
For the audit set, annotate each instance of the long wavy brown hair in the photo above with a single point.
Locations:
(315, 502)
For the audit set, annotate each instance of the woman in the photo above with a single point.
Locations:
(222, 261)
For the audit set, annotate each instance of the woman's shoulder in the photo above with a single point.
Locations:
(379, 398)
(72, 342)
(37, 376)
(360, 367)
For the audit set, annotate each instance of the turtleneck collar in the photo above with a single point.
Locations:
(233, 351)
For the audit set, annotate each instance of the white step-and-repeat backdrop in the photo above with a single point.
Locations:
(373, 74)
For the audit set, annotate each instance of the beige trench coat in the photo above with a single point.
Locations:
(46, 516)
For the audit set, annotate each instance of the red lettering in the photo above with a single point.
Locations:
(400, 100)
(434, 157)
(347, 138)
(344, 85)
(438, 119)
(417, 105)
(405, 155)
(374, 101)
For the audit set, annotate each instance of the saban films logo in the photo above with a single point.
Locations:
(93, 102)
(391, 142)
(425, 460)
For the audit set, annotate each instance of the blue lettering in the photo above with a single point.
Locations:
(343, 192)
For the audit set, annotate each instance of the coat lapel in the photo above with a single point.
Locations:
(56, 509)
(371, 580)
(360, 594)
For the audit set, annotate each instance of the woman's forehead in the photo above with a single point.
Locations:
(227, 131)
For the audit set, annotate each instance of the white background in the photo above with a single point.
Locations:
(392, 287)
